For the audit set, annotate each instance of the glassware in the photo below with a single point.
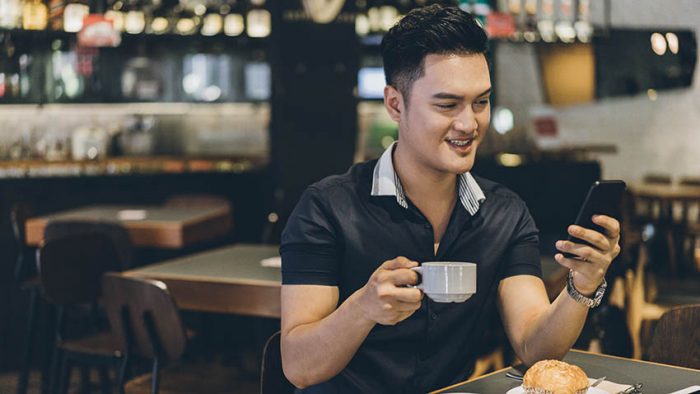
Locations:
(35, 15)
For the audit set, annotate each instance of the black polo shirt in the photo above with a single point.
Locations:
(339, 233)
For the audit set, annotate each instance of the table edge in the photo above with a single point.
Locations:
(572, 350)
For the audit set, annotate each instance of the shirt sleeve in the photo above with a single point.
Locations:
(523, 254)
(309, 246)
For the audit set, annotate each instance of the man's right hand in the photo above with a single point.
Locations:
(384, 299)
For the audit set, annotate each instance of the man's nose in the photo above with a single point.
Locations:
(466, 122)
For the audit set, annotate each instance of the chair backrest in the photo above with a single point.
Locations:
(118, 235)
(272, 379)
(689, 181)
(187, 200)
(71, 267)
(676, 338)
(661, 179)
(19, 213)
(144, 316)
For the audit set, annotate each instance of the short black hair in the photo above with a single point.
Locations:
(435, 29)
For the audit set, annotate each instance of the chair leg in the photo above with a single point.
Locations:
(155, 376)
(64, 377)
(105, 381)
(49, 345)
(84, 380)
(56, 365)
(28, 346)
(121, 374)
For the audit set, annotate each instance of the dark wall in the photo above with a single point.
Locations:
(313, 128)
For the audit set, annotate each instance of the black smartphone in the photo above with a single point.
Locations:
(604, 198)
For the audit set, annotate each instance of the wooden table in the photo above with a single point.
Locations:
(168, 227)
(225, 280)
(231, 280)
(667, 192)
(656, 378)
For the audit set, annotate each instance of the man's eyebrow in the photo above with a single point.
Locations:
(451, 96)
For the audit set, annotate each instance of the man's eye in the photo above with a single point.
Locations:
(481, 103)
(446, 106)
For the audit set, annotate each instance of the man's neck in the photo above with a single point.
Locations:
(423, 185)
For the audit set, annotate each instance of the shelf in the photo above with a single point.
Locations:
(126, 166)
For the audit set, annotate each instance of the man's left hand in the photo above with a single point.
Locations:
(594, 260)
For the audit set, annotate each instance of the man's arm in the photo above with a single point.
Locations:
(318, 340)
(538, 329)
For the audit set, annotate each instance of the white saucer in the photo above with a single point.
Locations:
(591, 390)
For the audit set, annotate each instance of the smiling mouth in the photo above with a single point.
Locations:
(462, 142)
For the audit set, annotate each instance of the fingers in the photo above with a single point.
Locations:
(611, 225)
(407, 295)
(591, 236)
(587, 269)
(399, 262)
(585, 252)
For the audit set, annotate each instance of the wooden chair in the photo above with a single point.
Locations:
(638, 309)
(649, 208)
(116, 233)
(148, 325)
(272, 379)
(676, 339)
(691, 233)
(27, 280)
(71, 263)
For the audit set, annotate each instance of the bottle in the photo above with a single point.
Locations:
(10, 14)
(35, 15)
(56, 8)
(73, 16)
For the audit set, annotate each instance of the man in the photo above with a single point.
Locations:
(350, 322)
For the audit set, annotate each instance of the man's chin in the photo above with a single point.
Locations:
(463, 166)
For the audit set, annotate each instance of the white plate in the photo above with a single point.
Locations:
(591, 390)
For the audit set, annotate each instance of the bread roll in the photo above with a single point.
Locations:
(555, 377)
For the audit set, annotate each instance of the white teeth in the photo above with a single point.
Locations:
(460, 142)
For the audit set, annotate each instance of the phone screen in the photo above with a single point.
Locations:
(604, 198)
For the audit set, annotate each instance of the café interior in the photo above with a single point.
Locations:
(169, 141)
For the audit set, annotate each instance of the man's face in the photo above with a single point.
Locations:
(448, 113)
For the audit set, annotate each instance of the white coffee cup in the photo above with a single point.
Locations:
(447, 281)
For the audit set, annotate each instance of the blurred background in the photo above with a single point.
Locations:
(136, 101)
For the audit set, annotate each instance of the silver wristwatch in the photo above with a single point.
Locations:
(582, 299)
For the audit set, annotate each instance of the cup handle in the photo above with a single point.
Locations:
(419, 270)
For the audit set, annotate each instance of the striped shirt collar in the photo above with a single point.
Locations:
(385, 182)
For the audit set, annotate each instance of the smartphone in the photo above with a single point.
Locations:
(604, 198)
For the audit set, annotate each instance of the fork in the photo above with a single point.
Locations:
(637, 388)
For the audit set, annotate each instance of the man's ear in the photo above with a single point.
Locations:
(393, 102)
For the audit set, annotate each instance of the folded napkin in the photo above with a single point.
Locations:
(610, 387)
(273, 262)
